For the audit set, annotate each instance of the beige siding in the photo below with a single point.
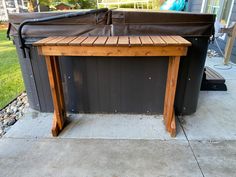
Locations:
(195, 6)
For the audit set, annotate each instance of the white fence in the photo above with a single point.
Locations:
(10, 6)
(3, 11)
(136, 3)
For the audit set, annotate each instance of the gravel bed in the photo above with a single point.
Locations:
(212, 53)
(12, 113)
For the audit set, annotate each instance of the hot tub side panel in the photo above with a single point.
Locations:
(197, 28)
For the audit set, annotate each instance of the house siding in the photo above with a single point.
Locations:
(195, 6)
(10, 6)
(3, 15)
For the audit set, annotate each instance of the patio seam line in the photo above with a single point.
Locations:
(102, 139)
(195, 157)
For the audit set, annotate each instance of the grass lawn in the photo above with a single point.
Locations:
(11, 82)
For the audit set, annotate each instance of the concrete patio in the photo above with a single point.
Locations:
(128, 145)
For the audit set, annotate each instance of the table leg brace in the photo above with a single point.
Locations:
(57, 94)
(171, 82)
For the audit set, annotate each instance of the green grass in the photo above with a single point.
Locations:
(11, 83)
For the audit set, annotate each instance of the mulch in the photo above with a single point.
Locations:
(3, 25)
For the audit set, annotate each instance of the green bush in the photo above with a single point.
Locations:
(87, 4)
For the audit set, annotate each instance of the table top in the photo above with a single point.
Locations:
(113, 41)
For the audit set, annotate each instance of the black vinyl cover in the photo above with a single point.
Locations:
(91, 24)
(115, 85)
(124, 22)
(165, 23)
(197, 28)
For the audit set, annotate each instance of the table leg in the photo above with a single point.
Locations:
(169, 112)
(57, 94)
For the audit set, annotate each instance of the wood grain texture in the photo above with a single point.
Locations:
(134, 41)
(113, 51)
(43, 41)
(59, 86)
(57, 94)
(157, 40)
(181, 40)
(123, 41)
(169, 40)
(101, 40)
(169, 112)
(78, 40)
(112, 41)
(89, 41)
(66, 40)
(54, 41)
(146, 40)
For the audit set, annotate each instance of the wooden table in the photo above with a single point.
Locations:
(172, 46)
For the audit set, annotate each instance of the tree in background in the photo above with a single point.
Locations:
(157, 4)
(88, 4)
(83, 4)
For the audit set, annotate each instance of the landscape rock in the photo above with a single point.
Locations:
(1, 132)
(9, 111)
(14, 109)
(212, 53)
(19, 103)
(12, 112)
(9, 121)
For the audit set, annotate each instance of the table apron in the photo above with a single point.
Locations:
(113, 51)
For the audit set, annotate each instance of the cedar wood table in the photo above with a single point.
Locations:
(114, 46)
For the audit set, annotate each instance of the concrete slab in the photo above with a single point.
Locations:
(216, 158)
(33, 124)
(94, 126)
(95, 158)
(91, 145)
(215, 117)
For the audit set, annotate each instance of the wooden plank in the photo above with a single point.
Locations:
(169, 40)
(55, 128)
(146, 40)
(112, 41)
(123, 41)
(66, 40)
(78, 40)
(43, 41)
(54, 41)
(181, 40)
(134, 41)
(170, 95)
(167, 94)
(58, 121)
(101, 40)
(157, 40)
(113, 51)
(89, 41)
(59, 86)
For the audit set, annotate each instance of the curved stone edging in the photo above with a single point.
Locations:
(12, 113)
